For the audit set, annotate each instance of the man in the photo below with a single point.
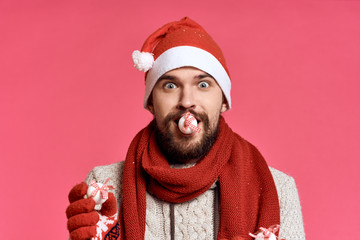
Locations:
(187, 175)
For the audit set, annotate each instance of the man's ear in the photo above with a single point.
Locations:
(150, 105)
(151, 108)
(224, 105)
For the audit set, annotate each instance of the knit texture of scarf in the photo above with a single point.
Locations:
(248, 197)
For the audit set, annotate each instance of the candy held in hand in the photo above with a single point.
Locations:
(266, 233)
(99, 192)
(260, 236)
(188, 124)
(97, 197)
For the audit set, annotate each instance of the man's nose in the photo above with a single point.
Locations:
(186, 99)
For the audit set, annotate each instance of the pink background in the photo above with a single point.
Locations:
(70, 98)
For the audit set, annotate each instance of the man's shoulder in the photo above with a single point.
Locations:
(279, 174)
(110, 168)
(285, 186)
(101, 173)
(281, 179)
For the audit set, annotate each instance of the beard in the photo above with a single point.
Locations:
(183, 149)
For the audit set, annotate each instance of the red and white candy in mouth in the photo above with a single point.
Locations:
(188, 124)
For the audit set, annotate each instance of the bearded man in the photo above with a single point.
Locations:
(187, 175)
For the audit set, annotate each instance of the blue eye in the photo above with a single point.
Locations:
(170, 85)
(204, 85)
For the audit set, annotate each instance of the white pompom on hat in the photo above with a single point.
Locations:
(178, 44)
(143, 61)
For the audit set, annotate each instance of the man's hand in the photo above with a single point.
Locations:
(84, 222)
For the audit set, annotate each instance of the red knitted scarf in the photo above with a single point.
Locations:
(248, 195)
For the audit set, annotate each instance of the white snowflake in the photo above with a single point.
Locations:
(102, 225)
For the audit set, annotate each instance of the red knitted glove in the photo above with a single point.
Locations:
(84, 221)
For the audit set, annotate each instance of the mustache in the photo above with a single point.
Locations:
(177, 115)
(203, 117)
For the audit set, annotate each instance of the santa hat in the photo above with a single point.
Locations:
(179, 44)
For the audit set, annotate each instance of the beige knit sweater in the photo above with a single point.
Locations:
(195, 219)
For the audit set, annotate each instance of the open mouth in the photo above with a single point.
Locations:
(177, 119)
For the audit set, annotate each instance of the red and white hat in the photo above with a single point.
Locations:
(179, 44)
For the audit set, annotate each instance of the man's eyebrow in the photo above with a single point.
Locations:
(174, 78)
(204, 75)
(167, 77)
